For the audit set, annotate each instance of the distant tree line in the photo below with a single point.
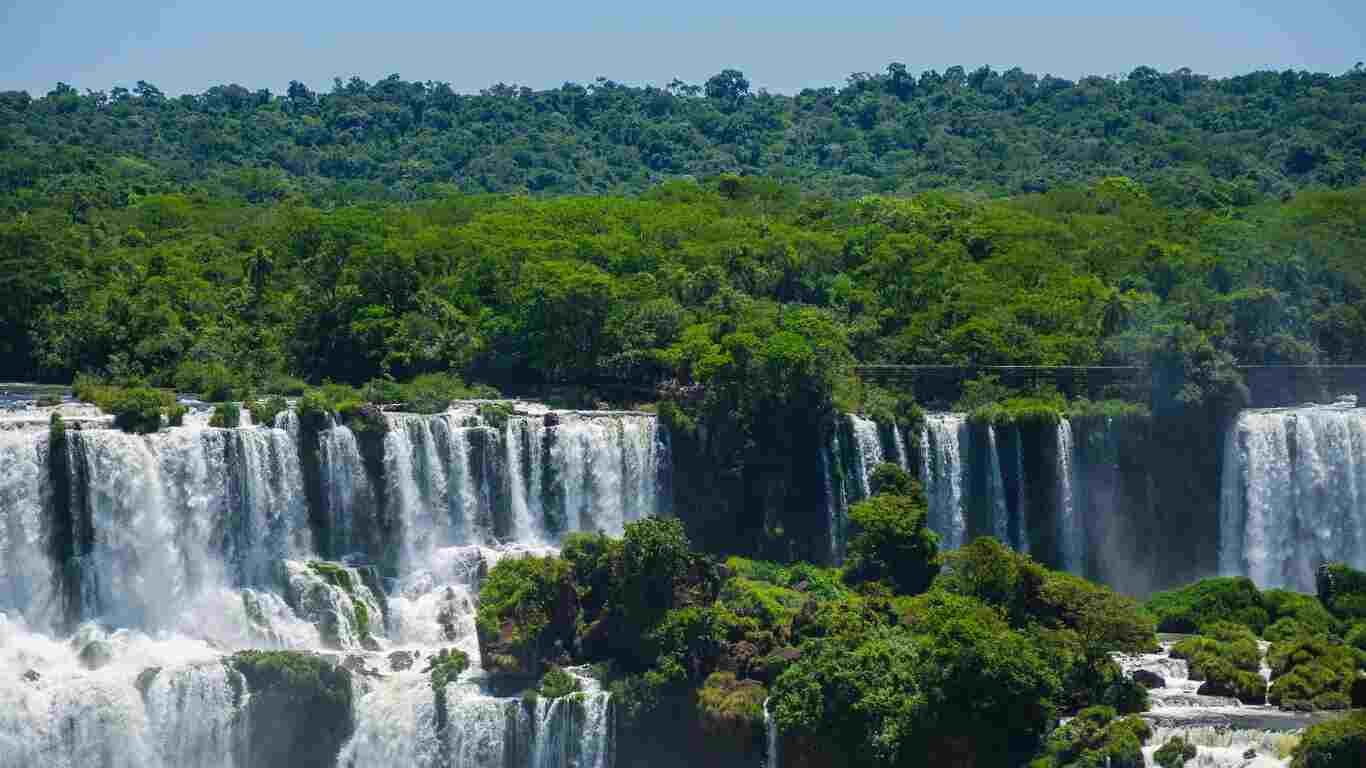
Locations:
(1194, 141)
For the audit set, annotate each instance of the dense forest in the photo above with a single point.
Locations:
(725, 258)
(1194, 140)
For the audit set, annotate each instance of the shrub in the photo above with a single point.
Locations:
(1286, 628)
(891, 479)
(139, 410)
(527, 613)
(1307, 610)
(731, 708)
(1096, 737)
(1333, 744)
(226, 416)
(1174, 754)
(1311, 673)
(1185, 610)
(175, 415)
(496, 415)
(1342, 590)
(284, 384)
(445, 666)
(557, 683)
(264, 411)
(893, 543)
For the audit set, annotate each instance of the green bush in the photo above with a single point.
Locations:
(1342, 590)
(445, 666)
(1337, 743)
(1312, 673)
(1174, 754)
(527, 613)
(1307, 610)
(891, 479)
(1096, 738)
(1185, 610)
(731, 708)
(557, 683)
(892, 543)
(213, 381)
(283, 384)
(226, 416)
(264, 411)
(139, 409)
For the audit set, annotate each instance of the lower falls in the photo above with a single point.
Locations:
(132, 566)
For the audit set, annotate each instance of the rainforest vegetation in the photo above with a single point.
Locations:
(728, 257)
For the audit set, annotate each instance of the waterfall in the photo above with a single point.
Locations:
(996, 490)
(867, 450)
(1071, 528)
(27, 577)
(524, 439)
(1293, 494)
(836, 501)
(1021, 498)
(903, 458)
(346, 486)
(574, 731)
(772, 759)
(195, 542)
(942, 471)
(120, 715)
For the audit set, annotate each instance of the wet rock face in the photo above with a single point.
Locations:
(300, 709)
(400, 661)
(96, 654)
(1149, 679)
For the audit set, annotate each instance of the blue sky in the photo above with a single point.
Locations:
(783, 46)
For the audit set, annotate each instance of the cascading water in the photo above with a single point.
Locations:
(868, 449)
(1225, 732)
(996, 489)
(836, 498)
(1070, 526)
(1293, 494)
(195, 542)
(943, 472)
(27, 577)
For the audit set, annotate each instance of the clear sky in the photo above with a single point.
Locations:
(783, 46)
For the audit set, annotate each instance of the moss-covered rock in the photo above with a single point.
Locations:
(299, 711)
(1175, 753)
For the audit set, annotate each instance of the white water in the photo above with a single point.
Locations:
(201, 545)
(27, 579)
(1221, 729)
(772, 758)
(836, 499)
(943, 472)
(1293, 494)
(996, 490)
(868, 449)
(1021, 498)
(1071, 525)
